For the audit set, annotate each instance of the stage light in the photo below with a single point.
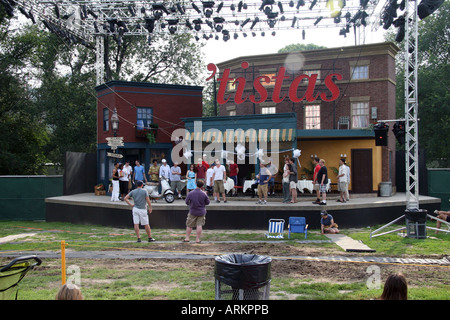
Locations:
(312, 4)
(263, 34)
(160, 7)
(9, 9)
(291, 4)
(254, 23)
(189, 25)
(294, 21)
(149, 24)
(300, 3)
(318, 20)
(208, 8)
(56, 10)
(427, 7)
(92, 13)
(197, 24)
(172, 25)
(280, 5)
(245, 22)
(400, 24)
(210, 24)
(240, 4)
(131, 10)
(271, 23)
(273, 33)
(399, 131)
(235, 36)
(180, 8)
(245, 35)
(253, 34)
(364, 15)
(219, 7)
(226, 35)
(196, 8)
(303, 34)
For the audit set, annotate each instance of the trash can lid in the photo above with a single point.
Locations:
(243, 259)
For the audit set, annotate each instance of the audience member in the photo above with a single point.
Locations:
(69, 292)
(443, 215)
(141, 206)
(197, 200)
(322, 179)
(343, 176)
(395, 288)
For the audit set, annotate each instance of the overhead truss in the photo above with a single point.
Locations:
(204, 19)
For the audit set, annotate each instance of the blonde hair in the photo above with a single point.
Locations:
(69, 292)
(322, 161)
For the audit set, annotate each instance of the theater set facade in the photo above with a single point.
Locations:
(322, 102)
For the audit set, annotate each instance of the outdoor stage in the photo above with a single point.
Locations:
(237, 213)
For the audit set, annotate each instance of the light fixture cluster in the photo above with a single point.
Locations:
(203, 19)
(390, 14)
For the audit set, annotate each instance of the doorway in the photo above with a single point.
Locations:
(362, 171)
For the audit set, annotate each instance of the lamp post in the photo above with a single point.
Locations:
(115, 122)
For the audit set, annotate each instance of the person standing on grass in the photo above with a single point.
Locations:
(141, 206)
(197, 200)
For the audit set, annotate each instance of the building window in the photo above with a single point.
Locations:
(105, 119)
(268, 110)
(360, 115)
(360, 72)
(312, 116)
(309, 73)
(144, 118)
(271, 83)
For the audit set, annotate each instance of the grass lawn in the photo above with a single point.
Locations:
(185, 279)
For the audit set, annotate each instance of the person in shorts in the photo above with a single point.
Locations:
(141, 206)
(197, 200)
(219, 176)
(264, 178)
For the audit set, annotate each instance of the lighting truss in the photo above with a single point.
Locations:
(87, 19)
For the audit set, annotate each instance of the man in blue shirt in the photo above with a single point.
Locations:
(327, 224)
(139, 173)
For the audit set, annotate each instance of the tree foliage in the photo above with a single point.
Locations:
(47, 88)
(300, 47)
(433, 85)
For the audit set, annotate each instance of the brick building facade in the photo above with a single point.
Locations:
(142, 108)
(330, 129)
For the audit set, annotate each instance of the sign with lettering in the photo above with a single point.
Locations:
(114, 155)
(331, 93)
(115, 142)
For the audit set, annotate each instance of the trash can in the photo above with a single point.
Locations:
(242, 277)
(385, 189)
(416, 223)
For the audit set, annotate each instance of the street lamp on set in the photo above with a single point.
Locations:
(115, 122)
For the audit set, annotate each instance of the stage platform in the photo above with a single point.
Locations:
(237, 213)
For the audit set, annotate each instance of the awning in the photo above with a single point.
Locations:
(242, 136)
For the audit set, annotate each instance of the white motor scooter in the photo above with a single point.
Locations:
(166, 192)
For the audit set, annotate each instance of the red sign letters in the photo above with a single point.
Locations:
(277, 97)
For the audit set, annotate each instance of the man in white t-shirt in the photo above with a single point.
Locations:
(219, 176)
(344, 179)
(209, 179)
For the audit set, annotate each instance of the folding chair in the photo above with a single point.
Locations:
(276, 226)
(297, 225)
(13, 273)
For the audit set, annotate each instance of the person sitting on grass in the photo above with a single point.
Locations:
(327, 224)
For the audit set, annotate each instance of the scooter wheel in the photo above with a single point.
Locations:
(169, 198)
